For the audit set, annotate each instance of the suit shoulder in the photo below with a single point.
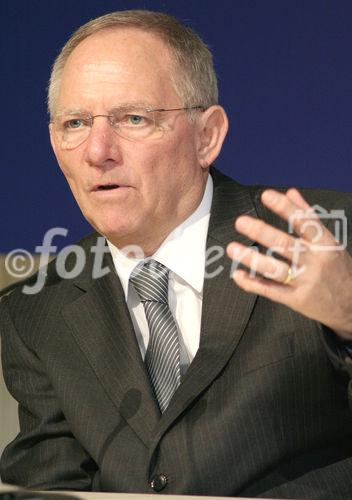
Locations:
(322, 200)
(312, 195)
(46, 291)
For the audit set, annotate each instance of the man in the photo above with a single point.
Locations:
(204, 388)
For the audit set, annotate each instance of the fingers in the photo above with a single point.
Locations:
(295, 196)
(274, 239)
(266, 265)
(302, 220)
(300, 216)
(310, 280)
(261, 286)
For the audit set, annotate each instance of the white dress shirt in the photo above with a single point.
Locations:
(183, 253)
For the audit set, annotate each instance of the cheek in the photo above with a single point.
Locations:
(172, 154)
(184, 149)
(64, 165)
(67, 168)
(181, 158)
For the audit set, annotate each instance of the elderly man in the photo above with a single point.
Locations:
(162, 374)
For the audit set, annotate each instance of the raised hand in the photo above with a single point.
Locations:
(314, 277)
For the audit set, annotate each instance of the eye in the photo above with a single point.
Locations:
(73, 123)
(135, 119)
(131, 119)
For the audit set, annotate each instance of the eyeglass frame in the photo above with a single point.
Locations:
(148, 110)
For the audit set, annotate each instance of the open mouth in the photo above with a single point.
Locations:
(107, 187)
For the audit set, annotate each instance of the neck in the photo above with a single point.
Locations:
(147, 244)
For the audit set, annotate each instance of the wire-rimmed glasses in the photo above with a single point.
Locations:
(133, 123)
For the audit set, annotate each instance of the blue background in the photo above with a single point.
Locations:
(285, 76)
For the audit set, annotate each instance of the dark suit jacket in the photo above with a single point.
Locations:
(262, 410)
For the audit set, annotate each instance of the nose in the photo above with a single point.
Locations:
(102, 145)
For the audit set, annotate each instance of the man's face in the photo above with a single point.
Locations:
(160, 181)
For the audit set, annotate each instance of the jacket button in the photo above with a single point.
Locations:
(158, 482)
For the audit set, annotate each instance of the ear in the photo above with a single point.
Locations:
(213, 126)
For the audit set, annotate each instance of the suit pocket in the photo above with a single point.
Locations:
(266, 354)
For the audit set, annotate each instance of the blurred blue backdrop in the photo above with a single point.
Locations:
(285, 79)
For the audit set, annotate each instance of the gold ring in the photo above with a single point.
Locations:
(290, 276)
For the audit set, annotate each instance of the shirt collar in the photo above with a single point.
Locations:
(183, 251)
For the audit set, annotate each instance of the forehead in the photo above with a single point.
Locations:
(125, 65)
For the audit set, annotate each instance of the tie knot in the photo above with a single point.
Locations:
(150, 280)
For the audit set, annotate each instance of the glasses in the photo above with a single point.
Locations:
(133, 123)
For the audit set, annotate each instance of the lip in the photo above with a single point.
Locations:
(103, 187)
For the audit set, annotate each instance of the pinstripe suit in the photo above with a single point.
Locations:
(261, 411)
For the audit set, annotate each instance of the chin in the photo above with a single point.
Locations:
(107, 223)
(118, 234)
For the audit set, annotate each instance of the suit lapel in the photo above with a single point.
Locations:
(100, 322)
(226, 308)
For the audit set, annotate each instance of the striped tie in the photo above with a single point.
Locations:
(150, 280)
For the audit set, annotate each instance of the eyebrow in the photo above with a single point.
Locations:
(125, 105)
(70, 111)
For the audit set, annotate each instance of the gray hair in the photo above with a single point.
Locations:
(194, 77)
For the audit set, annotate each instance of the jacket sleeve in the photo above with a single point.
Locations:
(339, 350)
(45, 454)
(340, 354)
